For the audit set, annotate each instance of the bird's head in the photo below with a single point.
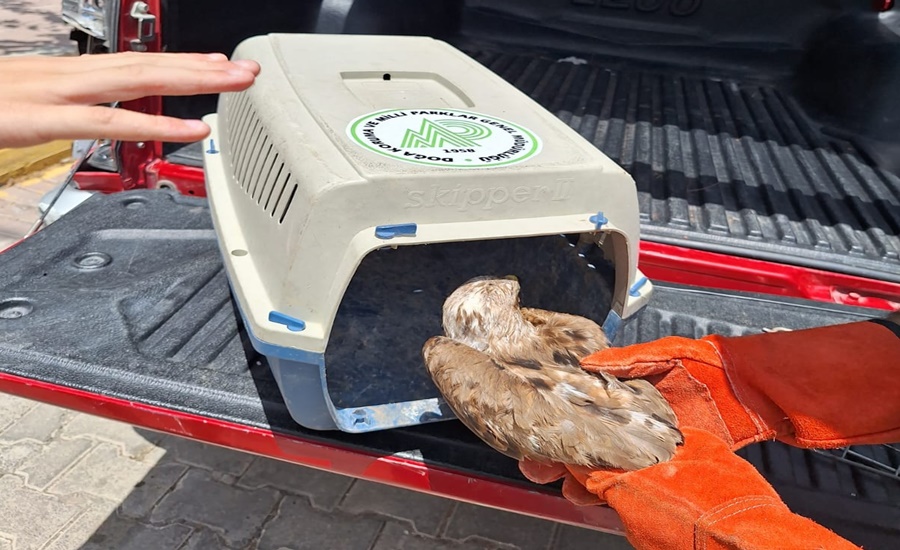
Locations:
(483, 309)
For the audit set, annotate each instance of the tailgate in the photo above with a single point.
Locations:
(122, 309)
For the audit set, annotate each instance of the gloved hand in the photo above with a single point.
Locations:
(794, 386)
(823, 387)
(705, 497)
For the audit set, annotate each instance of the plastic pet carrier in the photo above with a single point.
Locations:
(362, 179)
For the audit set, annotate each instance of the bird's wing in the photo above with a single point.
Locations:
(595, 420)
(652, 400)
(571, 338)
(528, 409)
(468, 380)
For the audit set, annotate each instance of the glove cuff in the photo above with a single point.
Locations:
(822, 387)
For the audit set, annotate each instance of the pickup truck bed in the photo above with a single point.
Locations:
(121, 308)
(762, 130)
(727, 164)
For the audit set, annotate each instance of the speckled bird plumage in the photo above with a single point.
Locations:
(512, 375)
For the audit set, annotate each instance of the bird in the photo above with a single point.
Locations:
(512, 375)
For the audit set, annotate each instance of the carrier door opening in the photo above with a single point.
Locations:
(393, 305)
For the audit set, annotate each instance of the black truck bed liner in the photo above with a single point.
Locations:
(126, 297)
(721, 163)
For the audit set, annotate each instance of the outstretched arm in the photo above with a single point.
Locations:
(727, 393)
(47, 98)
(796, 387)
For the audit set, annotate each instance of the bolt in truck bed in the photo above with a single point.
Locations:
(122, 308)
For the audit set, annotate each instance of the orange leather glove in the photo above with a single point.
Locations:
(822, 387)
(794, 386)
(706, 497)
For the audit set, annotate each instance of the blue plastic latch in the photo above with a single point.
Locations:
(396, 230)
(292, 323)
(212, 147)
(599, 220)
(635, 289)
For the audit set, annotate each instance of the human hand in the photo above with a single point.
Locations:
(48, 98)
(693, 377)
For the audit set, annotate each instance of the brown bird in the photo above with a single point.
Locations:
(512, 375)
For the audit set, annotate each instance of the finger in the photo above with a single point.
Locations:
(598, 481)
(181, 60)
(136, 81)
(78, 122)
(656, 357)
(580, 473)
(52, 78)
(541, 473)
(70, 65)
(248, 64)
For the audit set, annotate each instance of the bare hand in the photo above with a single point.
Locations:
(47, 98)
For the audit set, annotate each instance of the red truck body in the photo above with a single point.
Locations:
(148, 166)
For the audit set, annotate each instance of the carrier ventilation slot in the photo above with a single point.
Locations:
(256, 164)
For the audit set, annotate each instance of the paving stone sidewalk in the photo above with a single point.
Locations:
(74, 481)
(70, 480)
(34, 27)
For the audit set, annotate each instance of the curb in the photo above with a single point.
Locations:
(15, 163)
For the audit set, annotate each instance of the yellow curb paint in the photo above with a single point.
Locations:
(20, 162)
(48, 174)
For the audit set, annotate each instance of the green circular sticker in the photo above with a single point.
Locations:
(444, 137)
